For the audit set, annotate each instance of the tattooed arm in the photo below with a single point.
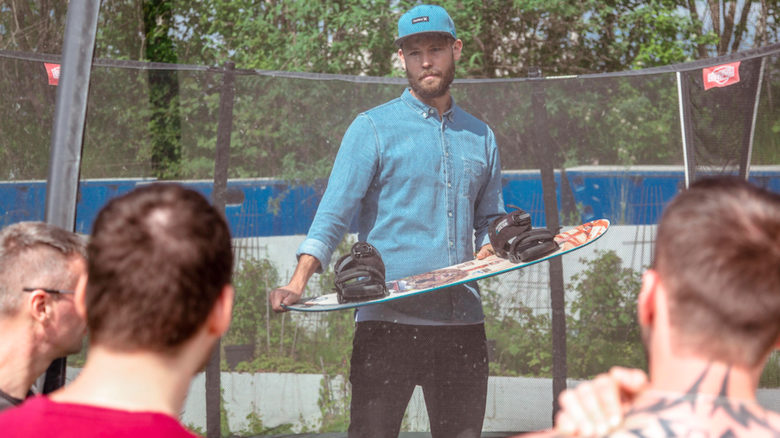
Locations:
(651, 413)
(696, 413)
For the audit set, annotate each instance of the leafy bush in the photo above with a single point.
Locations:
(251, 323)
(287, 342)
(601, 325)
(520, 339)
(770, 378)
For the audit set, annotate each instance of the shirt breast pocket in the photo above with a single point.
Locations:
(473, 177)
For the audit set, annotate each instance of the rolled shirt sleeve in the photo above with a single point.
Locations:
(352, 173)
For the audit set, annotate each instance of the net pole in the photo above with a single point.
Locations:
(546, 153)
(219, 199)
(68, 133)
(688, 161)
(744, 168)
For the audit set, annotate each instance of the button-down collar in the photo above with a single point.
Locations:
(425, 110)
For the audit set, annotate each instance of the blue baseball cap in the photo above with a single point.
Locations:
(423, 19)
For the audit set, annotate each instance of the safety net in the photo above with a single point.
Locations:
(617, 146)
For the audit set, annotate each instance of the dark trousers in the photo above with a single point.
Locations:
(389, 360)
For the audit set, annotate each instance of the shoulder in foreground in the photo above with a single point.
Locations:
(725, 420)
(18, 421)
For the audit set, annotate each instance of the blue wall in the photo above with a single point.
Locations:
(632, 197)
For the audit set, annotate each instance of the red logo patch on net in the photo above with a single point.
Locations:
(53, 70)
(721, 75)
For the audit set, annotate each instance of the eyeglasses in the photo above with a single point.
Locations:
(48, 291)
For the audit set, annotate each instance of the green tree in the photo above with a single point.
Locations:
(731, 24)
(164, 123)
(26, 118)
(165, 120)
(329, 36)
(32, 26)
(502, 38)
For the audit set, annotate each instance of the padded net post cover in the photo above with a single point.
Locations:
(360, 274)
(504, 228)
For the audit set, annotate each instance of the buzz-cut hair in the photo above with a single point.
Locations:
(35, 254)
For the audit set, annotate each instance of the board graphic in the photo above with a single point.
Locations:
(568, 241)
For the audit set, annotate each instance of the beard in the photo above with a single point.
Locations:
(432, 91)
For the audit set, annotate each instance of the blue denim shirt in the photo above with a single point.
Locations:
(426, 189)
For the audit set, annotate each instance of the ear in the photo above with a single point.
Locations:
(80, 298)
(457, 49)
(219, 318)
(401, 57)
(38, 305)
(647, 298)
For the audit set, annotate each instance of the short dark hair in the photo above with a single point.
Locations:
(158, 259)
(35, 254)
(718, 255)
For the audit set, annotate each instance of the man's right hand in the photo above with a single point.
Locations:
(283, 295)
(596, 407)
(291, 293)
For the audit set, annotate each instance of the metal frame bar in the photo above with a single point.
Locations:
(745, 165)
(68, 132)
(683, 127)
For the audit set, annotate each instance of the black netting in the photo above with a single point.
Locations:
(621, 146)
(722, 119)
